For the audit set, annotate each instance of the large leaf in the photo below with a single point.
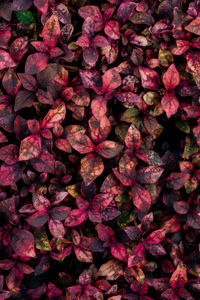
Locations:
(175, 181)
(179, 276)
(35, 63)
(194, 26)
(149, 78)
(171, 78)
(133, 138)
(75, 217)
(149, 174)
(51, 31)
(170, 104)
(109, 149)
(111, 80)
(30, 147)
(91, 167)
(22, 243)
(6, 60)
(141, 198)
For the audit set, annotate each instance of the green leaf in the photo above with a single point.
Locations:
(25, 17)
(42, 242)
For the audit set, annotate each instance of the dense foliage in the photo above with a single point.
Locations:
(100, 149)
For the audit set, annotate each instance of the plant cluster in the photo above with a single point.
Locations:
(100, 149)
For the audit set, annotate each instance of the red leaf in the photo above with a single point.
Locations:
(28, 81)
(51, 31)
(75, 217)
(149, 174)
(133, 138)
(118, 251)
(149, 78)
(38, 219)
(99, 129)
(11, 82)
(91, 79)
(88, 27)
(171, 78)
(35, 63)
(170, 104)
(60, 212)
(54, 116)
(109, 149)
(112, 30)
(91, 10)
(105, 233)
(90, 56)
(91, 167)
(194, 26)
(124, 11)
(136, 256)
(56, 228)
(175, 181)
(10, 174)
(81, 143)
(101, 201)
(6, 60)
(40, 202)
(155, 249)
(111, 80)
(42, 6)
(22, 243)
(45, 162)
(9, 154)
(30, 147)
(134, 233)
(141, 198)
(24, 99)
(179, 277)
(99, 107)
(83, 255)
(18, 48)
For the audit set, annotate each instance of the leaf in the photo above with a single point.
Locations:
(109, 149)
(149, 78)
(136, 256)
(18, 48)
(41, 241)
(99, 129)
(101, 201)
(149, 174)
(81, 143)
(91, 167)
(105, 233)
(45, 162)
(75, 217)
(99, 107)
(170, 104)
(56, 228)
(24, 99)
(111, 80)
(133, 138)
(54, 116)
(9, 154)
(51, 31)
(35, 63)
(155, 249)
(90, 56)
(171, 78)
(25, 17)
(21, 4)
(91, 10)
(179, 276)
(112, 30)
(40, 203)
(22, 243)
(11, 82)
(134, 233)
(83, 255)
(118, 251)
(194, 26)
(30, 147)
(38, 219)
(124, 11)
(28, 81)
(6, 60)
(41, 5)
(176, 181)
(141, 198)
(10, 174)
(91, 79)
(112, 269)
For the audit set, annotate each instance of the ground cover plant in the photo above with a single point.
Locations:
(100, 149)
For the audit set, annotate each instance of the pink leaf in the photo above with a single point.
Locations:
(170, 104)
(171, 78)
(112, 30)
(75, 217)
(22, 243)
(30, 147)
(35, 63)
(6, 60)
(51, 31)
